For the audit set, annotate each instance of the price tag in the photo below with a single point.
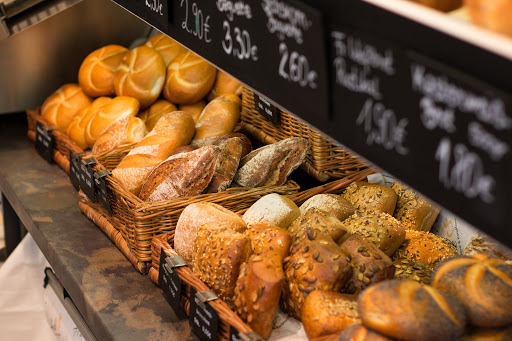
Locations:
(44, 142)
(235, 335)
(155, 12)
(203, 318)
(102, 190)
(87, 178)
(74, 169)
(170, 282)
(267, 109)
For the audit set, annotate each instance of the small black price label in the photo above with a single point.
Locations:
(87, 178)
(236, 335)
(102, 190)
(74, 169)
(266, 109)
(203, 319)
(44, 142)
(171, 283)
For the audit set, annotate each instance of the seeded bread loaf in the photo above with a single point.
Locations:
(315, 262)
(378, 227)
(409, 310)
(482, 284)
(359, 332)
(322, 221)
(258, 290)
(334, 204)
(327, 312)
(267, 238)
(369, 264)
(372, 197)
(274, 209)
(416, 271)
(219, 252)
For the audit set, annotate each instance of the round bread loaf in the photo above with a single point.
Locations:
(336, 205)
(194, 109)
(441, 5)
(424, 247)
(482, 284)
(493, 15)
(197, 214)
(158, 109)
(141, 75)
(166, 46)
(76, 128)
(62, 105)
(372, 197)
(327, 312)
(189, 78)
(408, 310)
(225, 84)
(127, 130)
(359, 332)
(272, 209)
(97, 121)
(96, 73)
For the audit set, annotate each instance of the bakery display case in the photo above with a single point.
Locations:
(387, 106)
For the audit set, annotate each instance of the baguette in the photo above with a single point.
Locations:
(124, 131)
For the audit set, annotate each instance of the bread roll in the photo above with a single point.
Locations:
(219, 252)
(194, 109)
(141, 75)
(62, 105)
(425, 247)
(323, 222)
(408, 310)
(267, 239)
(416, 271)
(493, 15)
(225, 84)
(197, 214)
(370, 265)
(482, 243)
(274, 209)
(482, 284)
(441, 5)
(158, 109)
(166, 46)
(258, 290)
(189, 78)
(272, 164)
(334, 204)
(173, 130)
(217, 119)
(412, 210)
(181, 175)
(96, 73)
(366, 196)
(378, 227)
(97, 121)
(76, 128)
(127, 130)
(327, 312)
(315, 262)
(359, 332)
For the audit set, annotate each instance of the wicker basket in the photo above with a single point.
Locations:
(63, 144)
(326, 160)
(228, 317)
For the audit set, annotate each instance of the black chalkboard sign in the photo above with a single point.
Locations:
(87, 184)
(236, 335)
(155, 12)
(171, 283)
(102, 190)
(74, 169)
(275, 46)
(267, 109)
(203, 319)
(44, 142)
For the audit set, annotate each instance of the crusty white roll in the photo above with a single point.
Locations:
(76, 128)
(493, 15)
(124, 131)
(166, 46)
(274, 209)
(189, 78)
(173, 130)
(62, 105)
(97, 121)
(225, 84)
(141, 75)
(196, 215)
(158, 109)
(96, 73)
(194, 109)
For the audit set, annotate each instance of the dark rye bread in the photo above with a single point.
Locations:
(227, 164)
(181, 175)
(272, 164)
